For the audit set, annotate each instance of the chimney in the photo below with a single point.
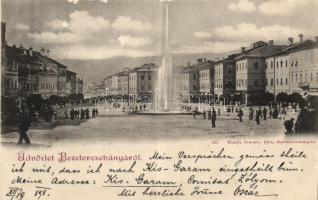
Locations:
(14, 46)
(204, 59)
(290, 41)
(301, 37)
(242, 49)
(3, 32)
(42, 51)
(31, 51)
(316, 38)
(200, 60)
(271, 42)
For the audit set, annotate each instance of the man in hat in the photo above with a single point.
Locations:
(24, 124)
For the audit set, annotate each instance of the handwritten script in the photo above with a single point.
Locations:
(183, 174)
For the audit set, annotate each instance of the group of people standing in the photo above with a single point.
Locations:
(210, 115)
(80, 113)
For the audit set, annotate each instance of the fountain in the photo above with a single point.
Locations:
(163, 96)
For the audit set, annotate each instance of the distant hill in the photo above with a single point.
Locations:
(92, 70)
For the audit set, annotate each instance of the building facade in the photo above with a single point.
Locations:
(143, 80)
(292, 69)
(70, 82)
(250, 70)
(190, 83)
(224, 76)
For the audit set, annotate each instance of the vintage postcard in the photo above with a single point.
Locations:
(159, 99)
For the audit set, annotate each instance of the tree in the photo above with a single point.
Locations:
(269, 97)
(294, 98)
(282, 97)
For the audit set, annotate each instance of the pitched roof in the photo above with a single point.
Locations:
(261, 52)
(307, 44)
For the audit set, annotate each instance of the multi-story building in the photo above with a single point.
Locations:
(108, 85)
(70, 82)
(143, 80)
(224, 76)
(57, 67)
(293, 69)
(250, 70)
(119, 83)
(304, 68)
(79, 86)
(206, 76)
(190, 81)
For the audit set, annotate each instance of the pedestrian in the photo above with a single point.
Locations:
(219, 111)
(93, 113)
(289, 125)
(284, 113)
(251, 114)
(82, 113)
(275, 113)
(209, 114)
(265, 113)
(240, 114)
(213, 118)
(96, 112)
(65, 113)
(87, 113)
(194, 114)
(24, 124)
(72, 114)
(257, 117)
(270, 112)
(204, 115)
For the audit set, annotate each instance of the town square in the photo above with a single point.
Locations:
(157, 70)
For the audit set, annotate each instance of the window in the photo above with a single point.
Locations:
(292, 64)
(256, 65)
(272, 82)
(286, 63)
(266, 63)
(142, 77)
(255, 82)
(311, 77)
(301, 78)
(272, 63)
(230, 71)
(281, 81)
(266, 82)
(149, 77)
(292, 78)
(142, 87)
(296, 77)
(296, 64)
(194, 76)
(277, 64)
(281, 63)
(286, 81)
(277, 81)
(194, 87)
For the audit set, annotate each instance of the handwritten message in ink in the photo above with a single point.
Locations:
(182, 174)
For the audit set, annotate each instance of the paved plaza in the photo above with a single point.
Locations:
(118, 126)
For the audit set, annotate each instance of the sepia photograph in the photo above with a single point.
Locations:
(157, 70)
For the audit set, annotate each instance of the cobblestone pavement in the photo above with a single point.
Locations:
(118, 126)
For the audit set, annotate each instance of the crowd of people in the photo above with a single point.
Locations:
(80, 113)
(257, 114)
